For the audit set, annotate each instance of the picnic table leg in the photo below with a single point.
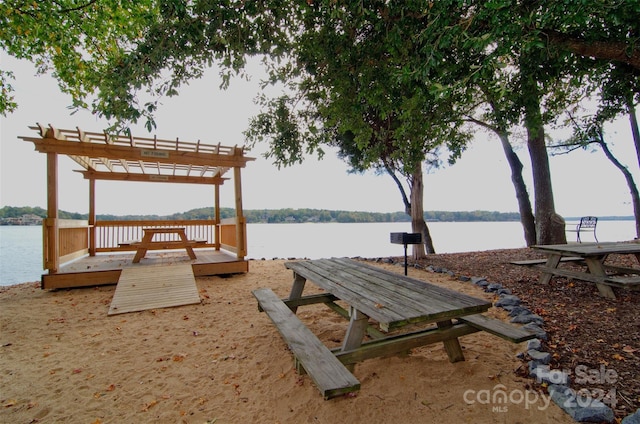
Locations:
(142, 248)
(297, 289)
(355, 332)
(452, 346)
(596, 268)
(552, 262)
(190, 252)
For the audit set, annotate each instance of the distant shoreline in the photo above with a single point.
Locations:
(10, 215)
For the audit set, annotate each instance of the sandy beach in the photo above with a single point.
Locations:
(62, 359)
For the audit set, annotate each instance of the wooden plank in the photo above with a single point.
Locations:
(591, 249)
(328, 374)
(169, 244)
(441, 297)
(310, 300)
(363, 300)
(498, 328)
(530, 262)
(79, 279)
(401, 343)
(151, 287)
(611, 281)
(389, 298)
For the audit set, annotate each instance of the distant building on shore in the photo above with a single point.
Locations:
(28, 219)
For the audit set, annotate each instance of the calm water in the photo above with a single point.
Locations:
(21, 247)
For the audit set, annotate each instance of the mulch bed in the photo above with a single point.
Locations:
(584, 329)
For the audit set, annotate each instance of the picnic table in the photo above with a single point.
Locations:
(147, 242)
(374, 298)
(597, 271)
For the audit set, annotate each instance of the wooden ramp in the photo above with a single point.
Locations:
(150, 287)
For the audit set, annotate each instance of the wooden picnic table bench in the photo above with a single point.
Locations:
(374, 296)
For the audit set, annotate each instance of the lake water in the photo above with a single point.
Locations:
(21, 247)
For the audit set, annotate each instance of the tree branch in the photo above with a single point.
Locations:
(75, 9)
(606, 50)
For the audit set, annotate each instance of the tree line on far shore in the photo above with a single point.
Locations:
(286, 215)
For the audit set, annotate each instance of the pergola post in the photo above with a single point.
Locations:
(92, 217)
(50, 236)
(241, 236)
(216, 227)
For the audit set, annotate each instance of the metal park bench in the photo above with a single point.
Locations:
(586, 224)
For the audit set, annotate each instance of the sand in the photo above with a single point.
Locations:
(62, 359)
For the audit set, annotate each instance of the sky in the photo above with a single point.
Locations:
(584, 183)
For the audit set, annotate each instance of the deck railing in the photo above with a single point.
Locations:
(73, 241)
(114, 236)
(75, 236)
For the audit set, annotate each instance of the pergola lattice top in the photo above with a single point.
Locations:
(105, 156)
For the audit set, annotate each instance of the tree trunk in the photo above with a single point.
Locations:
(635, 197)
(550, 227)
(418, 224)
(415, 209)
(524, 203)
(635, 131)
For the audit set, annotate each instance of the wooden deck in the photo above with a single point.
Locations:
(104, 269)
(151, 287)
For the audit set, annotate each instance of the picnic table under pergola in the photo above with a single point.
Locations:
(74, 251)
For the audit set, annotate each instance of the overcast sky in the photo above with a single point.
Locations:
(584, 183)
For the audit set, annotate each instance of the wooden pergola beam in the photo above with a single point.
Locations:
(152, 178)
(110, 151)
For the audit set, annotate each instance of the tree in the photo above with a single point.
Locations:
(119, 57)
(588, 132)
(127, 48)
(344, 71)
(79, 41)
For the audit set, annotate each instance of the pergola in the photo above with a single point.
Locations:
(105, 156)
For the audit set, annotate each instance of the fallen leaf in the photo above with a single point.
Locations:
(10, 403)
(629, 349)
(148, 405)
(618, 357)
(111, 388)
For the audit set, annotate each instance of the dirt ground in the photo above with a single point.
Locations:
(585, 330)
(62, 359)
